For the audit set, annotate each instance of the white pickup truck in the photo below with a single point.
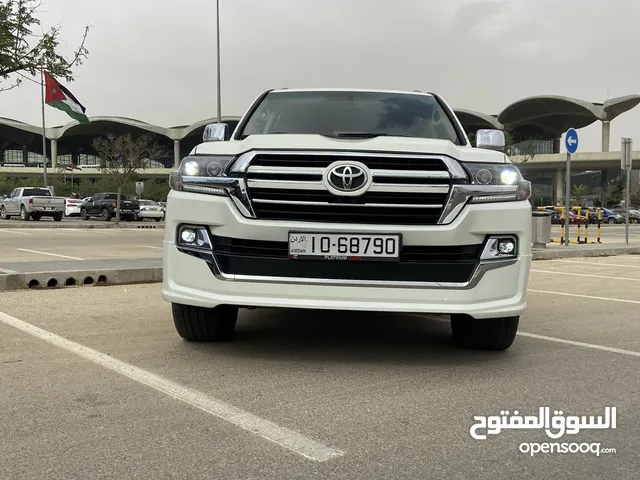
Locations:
(349, 200)
(32, 203)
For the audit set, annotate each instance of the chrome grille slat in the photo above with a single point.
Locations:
(405, 189)
(330, 204)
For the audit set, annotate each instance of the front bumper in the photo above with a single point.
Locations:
(495, 288)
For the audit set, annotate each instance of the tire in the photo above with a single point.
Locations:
(105, 215)
(484, 334)
(4, 215)
(84, 215)
(611, 221)
(57, 217)
(24, 215)
(35, 217)
(159, 219)
(634, 220)
(199, 324)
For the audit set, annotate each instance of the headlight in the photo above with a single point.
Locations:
(205, 166)
(497, 182)
(197, 174)
(493, 173)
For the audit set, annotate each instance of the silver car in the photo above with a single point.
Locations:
(150, 209)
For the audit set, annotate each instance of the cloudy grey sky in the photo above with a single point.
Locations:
(155, 60)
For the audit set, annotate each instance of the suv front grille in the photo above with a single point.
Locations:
(449, 263)
(406, 190)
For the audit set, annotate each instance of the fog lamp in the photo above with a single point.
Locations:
(188, 235)
(506, 246)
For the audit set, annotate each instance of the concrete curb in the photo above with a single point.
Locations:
(81, 278)
(577, 253)
(75, 225)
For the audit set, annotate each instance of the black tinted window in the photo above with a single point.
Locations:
(36, 192)
(339, 113)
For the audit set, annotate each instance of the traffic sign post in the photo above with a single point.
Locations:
(571, 144)
(139, 188)
(626, 161)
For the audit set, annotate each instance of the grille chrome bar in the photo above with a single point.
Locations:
(269, 170)
(286, 184)
(317, 185)
(330, 204)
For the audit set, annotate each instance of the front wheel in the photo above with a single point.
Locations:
(199, 324)
(611, 221)
(485, 334)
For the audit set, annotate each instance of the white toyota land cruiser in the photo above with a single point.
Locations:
(349, 200)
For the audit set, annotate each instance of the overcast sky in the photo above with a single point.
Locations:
(154, 60)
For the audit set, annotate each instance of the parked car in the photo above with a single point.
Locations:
(556, 218)
(150, 209)
(609, 216)
(72, 207)
(634, 215)
(32, 203)
(103, 205)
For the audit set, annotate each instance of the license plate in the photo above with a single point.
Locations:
(48, 208)
(343, 246)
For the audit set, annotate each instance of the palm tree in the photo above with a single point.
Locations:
(578, 192)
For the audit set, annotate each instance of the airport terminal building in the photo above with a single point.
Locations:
(534, 125)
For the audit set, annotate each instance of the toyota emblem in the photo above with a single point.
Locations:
(347, 178)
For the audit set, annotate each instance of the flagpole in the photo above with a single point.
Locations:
(44, 130)
(218, 60)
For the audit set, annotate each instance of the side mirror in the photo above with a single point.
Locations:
(215, 132)
(490, 139)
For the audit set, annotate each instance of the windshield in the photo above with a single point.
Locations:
(36, 192)
(351, 115)
(114, 196)
(147, 202)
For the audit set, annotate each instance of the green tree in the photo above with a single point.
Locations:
(579, 191)
(610, 194)
(527, 150)
(26, 48)
(122, 156)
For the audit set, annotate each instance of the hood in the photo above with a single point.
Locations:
(377, 144)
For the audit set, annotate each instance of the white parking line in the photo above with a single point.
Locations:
(580, 344)
(599, 264)
(556, 340)
(4, 230)
(149, 246)
(587, 275)
(281, 436)
(621, 300)
(47, 253)
(6, 270)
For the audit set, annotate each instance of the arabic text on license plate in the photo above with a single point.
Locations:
(343, 246)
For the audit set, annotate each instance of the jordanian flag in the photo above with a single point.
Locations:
(59, 97)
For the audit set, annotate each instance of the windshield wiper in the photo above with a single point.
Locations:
(367, 134)
(359, 134)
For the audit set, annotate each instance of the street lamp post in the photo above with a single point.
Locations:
(218, 60)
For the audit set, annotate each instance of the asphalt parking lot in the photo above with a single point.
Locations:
(325, 395)
(43, 249)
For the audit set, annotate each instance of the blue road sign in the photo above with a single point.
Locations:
(571, 141)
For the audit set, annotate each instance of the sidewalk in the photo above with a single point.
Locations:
(555, 250)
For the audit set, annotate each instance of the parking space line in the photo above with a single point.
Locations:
(598, 264)
(587, 275)
(7, 271)
(580, 344)
(4, 230)
(267, 430)
(47, 253)
(636, 302)
(149, 246)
